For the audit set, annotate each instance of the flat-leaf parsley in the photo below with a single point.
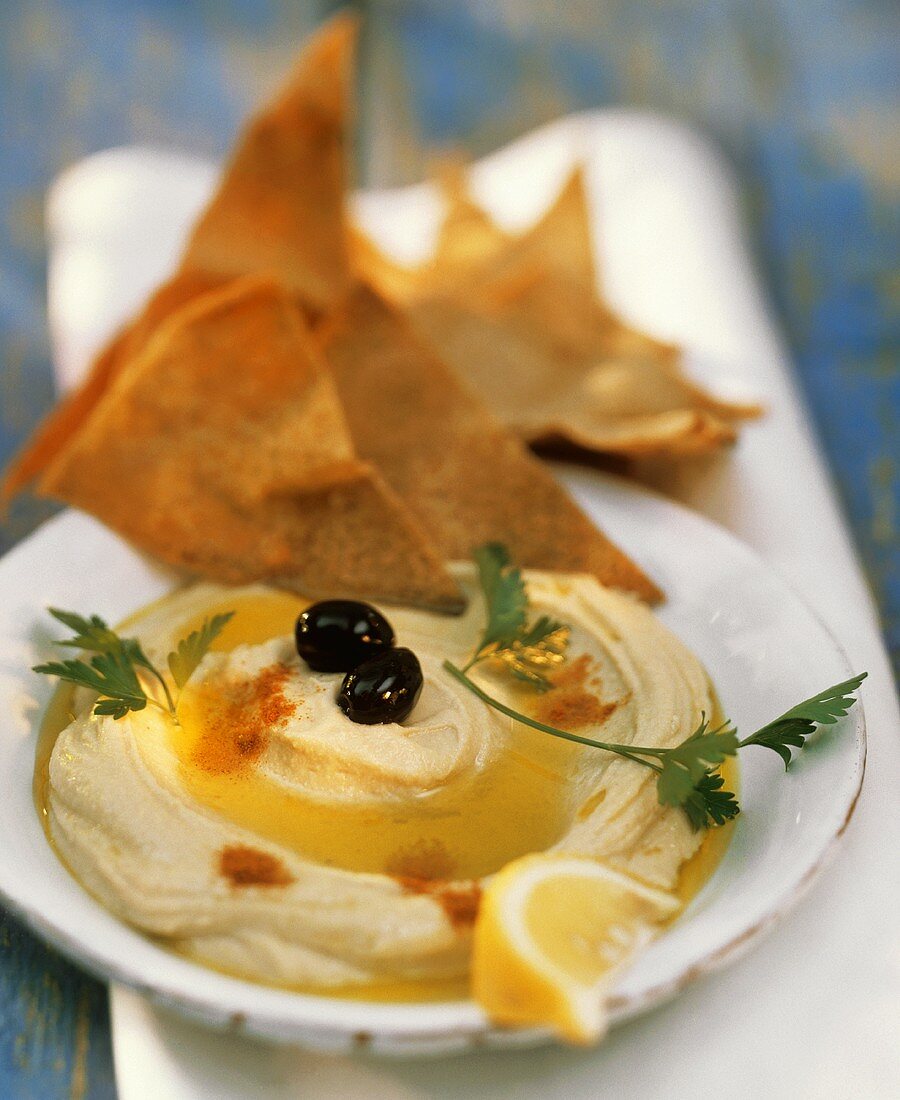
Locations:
(119, 670)
(687, 774)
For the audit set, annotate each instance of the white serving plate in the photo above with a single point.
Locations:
(762, 645)
(815, 1010)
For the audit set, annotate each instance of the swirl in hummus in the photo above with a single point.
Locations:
(271, 837)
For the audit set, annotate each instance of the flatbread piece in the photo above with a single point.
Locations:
(222, 449)
(459, 470)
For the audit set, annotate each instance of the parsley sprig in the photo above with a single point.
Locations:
(687, 774)
(528, 652)
(796, 725)
(119, 670)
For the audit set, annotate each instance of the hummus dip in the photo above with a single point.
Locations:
(269, 836)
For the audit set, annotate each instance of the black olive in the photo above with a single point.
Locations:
(337, 635)
(383, 689)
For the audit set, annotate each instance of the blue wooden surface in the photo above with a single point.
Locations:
(802, 96)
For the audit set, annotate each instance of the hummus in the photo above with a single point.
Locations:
(269, 836)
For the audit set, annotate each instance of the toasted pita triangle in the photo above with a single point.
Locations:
(368, 263)
(222, 450)
(473, 255)
(68, 415)
(558, 244)
(469, 239)
(464, 476)
(602, 400)
(280, 206)
(519, 320)
(556, 309)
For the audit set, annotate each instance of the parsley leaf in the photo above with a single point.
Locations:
(110, 674)
(542, 630)
(114, 672)
(529, 660)
(504, 596)
(185, 658)
(792, 729)
(91, 634)
(528, 652)
(686, 765)
(707, 804)
(95, 636)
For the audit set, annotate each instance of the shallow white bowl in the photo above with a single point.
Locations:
(765, 649)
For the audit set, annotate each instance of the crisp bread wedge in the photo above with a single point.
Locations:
(468, 240)
(473, 256)
(281, 203)
(473, 253)
(519, 320)
(397, 282)
(280, 207)
(462, 474)
(222, 450)
(67, 416)
(469, 244)
(597, 397)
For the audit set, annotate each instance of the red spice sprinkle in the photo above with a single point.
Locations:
(569, 705)
(246, 866)
(237, 719)
(459, 902)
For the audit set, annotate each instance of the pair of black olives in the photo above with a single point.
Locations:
(383, 681)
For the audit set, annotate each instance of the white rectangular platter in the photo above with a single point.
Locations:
(815, 1009)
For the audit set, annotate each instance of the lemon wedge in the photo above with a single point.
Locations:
(551, 931)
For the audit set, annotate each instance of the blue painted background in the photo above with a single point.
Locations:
(803, 97)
